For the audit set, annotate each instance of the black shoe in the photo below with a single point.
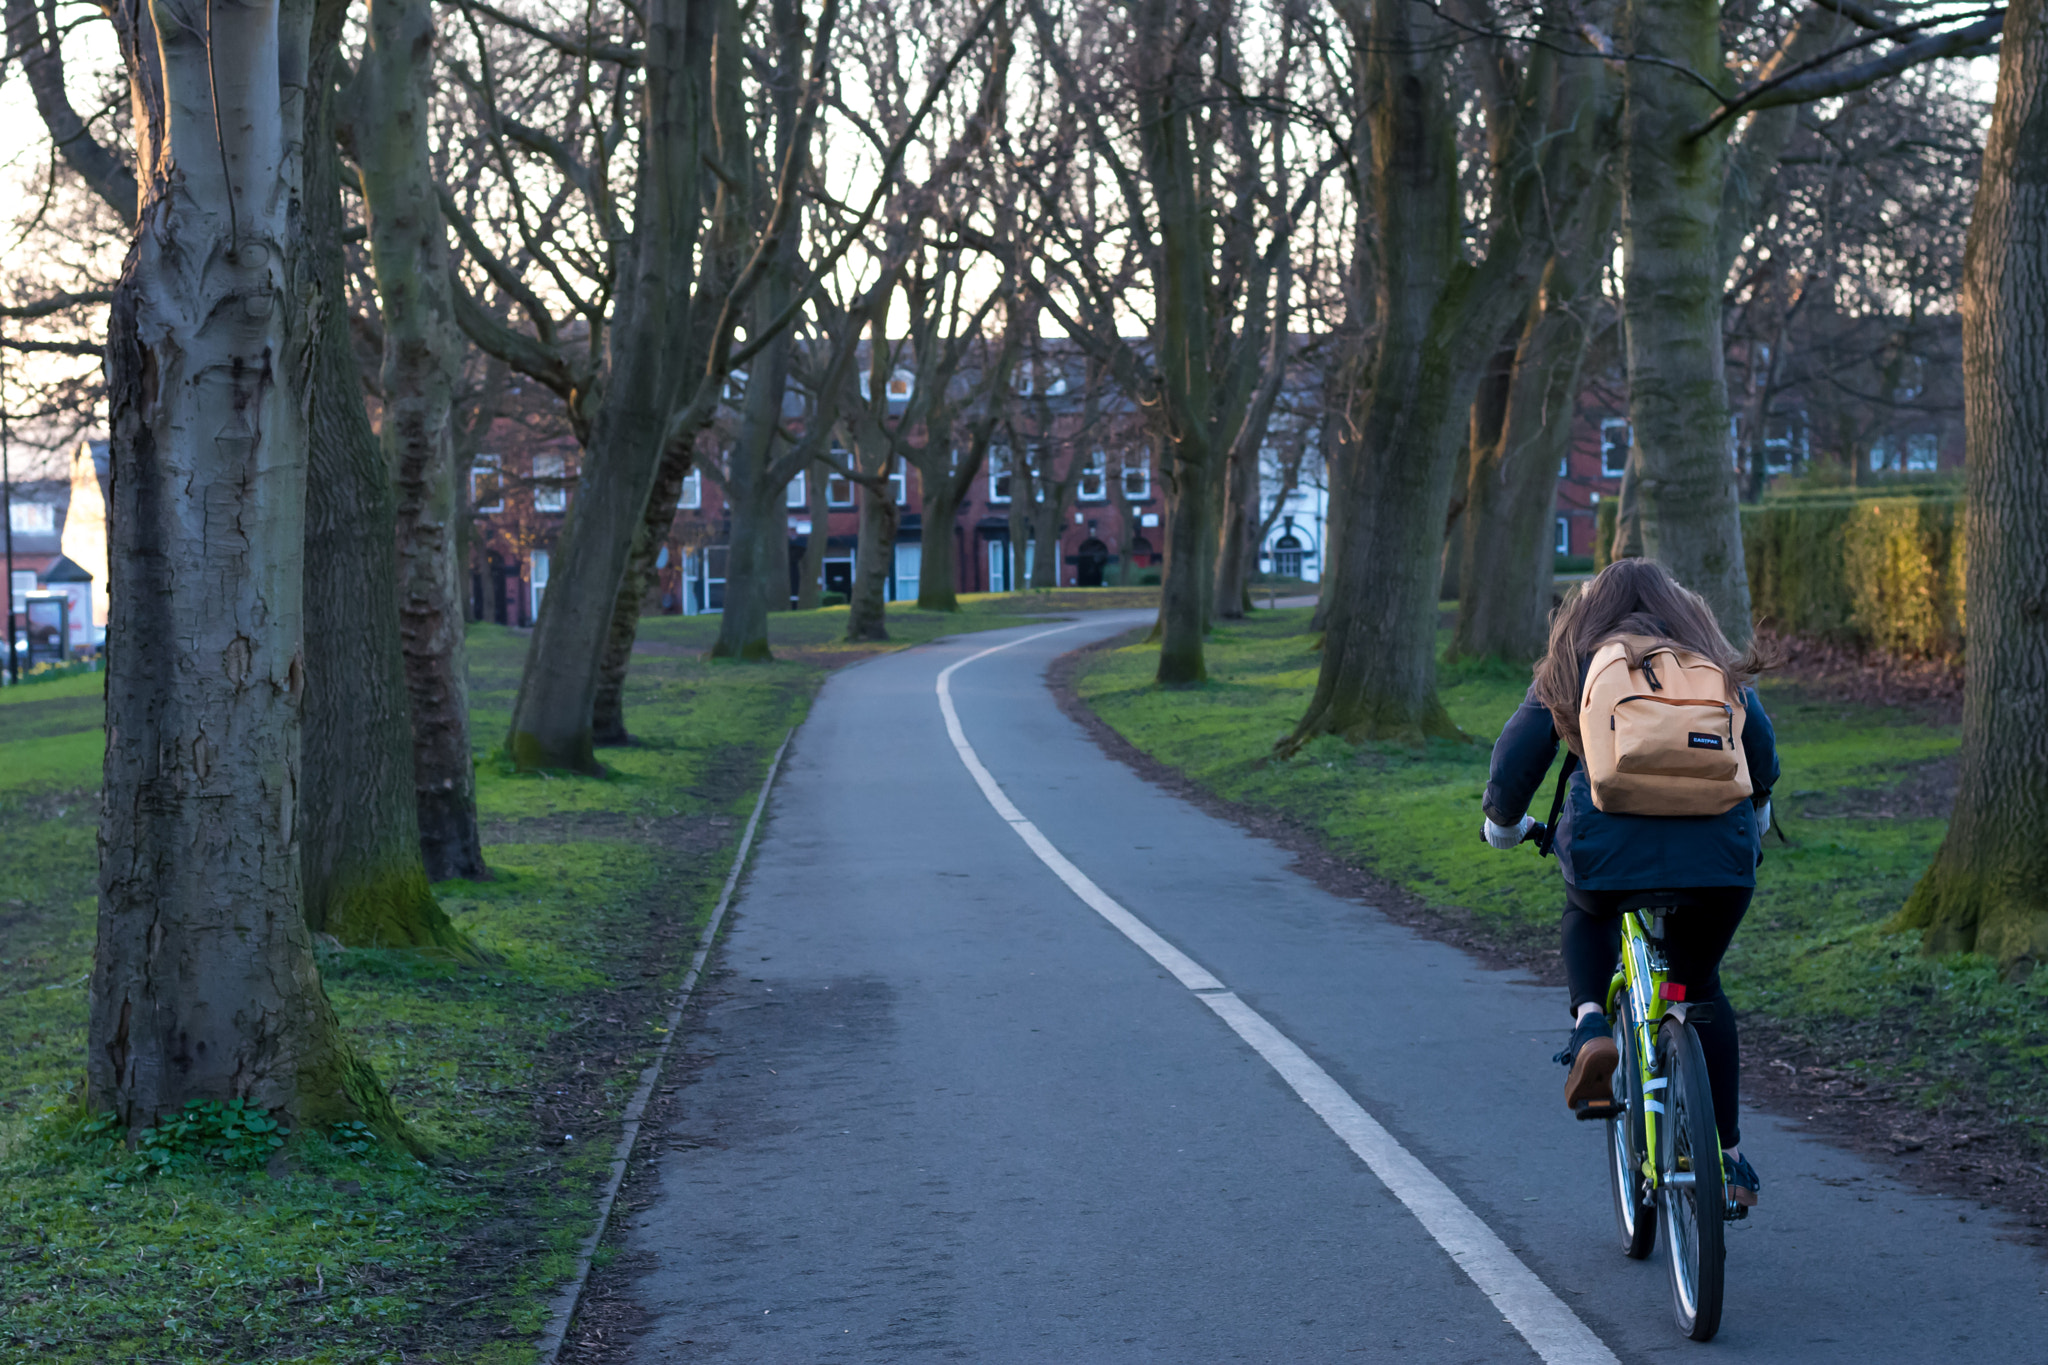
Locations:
(1591, 1056)
(1742, 1185)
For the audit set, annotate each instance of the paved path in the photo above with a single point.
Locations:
(954, 1114)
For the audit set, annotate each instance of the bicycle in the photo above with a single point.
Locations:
(1660, 1124)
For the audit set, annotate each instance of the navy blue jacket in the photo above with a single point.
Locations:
(1599, 851)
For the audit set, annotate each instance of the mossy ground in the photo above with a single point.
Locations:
(515, 1069)
(1860, 800)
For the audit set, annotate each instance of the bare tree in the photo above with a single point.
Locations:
(203, 978)
(388, 116)
(1439, 318)
(1984, 891)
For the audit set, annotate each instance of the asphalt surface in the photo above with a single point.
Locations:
(951, 1113)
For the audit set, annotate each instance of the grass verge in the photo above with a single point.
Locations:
(336, 1251)
(1937, 1057)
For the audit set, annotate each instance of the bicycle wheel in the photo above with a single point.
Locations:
(1689, 1193)
(1635, 1209)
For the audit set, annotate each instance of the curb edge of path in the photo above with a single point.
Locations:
(562, 1314)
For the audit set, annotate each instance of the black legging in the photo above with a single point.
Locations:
(1694, 940)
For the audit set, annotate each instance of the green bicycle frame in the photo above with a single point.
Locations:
(1642, 975)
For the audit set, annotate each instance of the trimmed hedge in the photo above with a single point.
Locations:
(1883, 572)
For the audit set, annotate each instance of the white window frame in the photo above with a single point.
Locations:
(691, 496)
(1142, 473)
(538, 562)
(24, 524)
(1093, 484)
(899, 482)
(735, 388)
(1564, 535)
(797, 494)
(1620, 424)
(1001, 469)
(493, 467)
(553, 497)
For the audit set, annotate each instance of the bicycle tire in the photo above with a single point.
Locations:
(1690, 1215)
(1635, 1207)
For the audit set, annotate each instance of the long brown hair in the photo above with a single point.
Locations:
(1631, 597)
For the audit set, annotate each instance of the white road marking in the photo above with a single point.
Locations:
(1545, 1321)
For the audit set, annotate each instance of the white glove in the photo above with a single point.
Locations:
(1507, 836)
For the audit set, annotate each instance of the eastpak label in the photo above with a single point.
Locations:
(1696, 740)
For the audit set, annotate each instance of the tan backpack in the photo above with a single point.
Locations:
(1661, 738)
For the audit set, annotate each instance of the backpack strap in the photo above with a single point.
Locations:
(1564, 777)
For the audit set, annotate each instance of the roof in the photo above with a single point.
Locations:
(62, 570)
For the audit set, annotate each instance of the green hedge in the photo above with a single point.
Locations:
(1883, 572)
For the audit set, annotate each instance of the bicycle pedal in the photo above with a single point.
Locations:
(1595, 1110)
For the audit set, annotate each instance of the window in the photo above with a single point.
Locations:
(1564, 466)
(1614, 439)
(898, 388)
(735, 386)
(537, 579)
(839, 488)
(1094, 477)
(1782, 440)
(22, 583)
(549, 494)
(998, 474)
(1137, 478)
(1034, 460)
(1564, 535)
(486, 485)
(692, 496)
(1921, 453)
(797, 494)
(909, 561)
(899, 483)
(32, 518)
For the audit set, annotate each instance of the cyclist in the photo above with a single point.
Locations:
(1605, 856)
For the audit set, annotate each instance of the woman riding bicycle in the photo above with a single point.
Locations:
(1710, 860)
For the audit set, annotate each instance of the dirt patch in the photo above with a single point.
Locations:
(1927, 792)
(1833, 672)
(1960, 1152)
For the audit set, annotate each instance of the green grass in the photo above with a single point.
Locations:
(515, 1072)
(1812, 957)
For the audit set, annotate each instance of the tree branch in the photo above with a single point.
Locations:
(43, 63)
(589, 48)
(56, 303)
(1802, 85)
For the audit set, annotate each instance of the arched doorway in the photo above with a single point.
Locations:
(1287, 556)
(1089, 562)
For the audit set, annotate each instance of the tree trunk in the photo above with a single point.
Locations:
(1237, 555)
(937, 570)
(1509, 572)
(1047, 521)
(874, 556)
(552, 716)
(203, 982)
(388, 119)
(361, 860)
(1670, 215)
(1378, 673)
(757, 554)
(810, 588)
(1987, 891)
(608, 709)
